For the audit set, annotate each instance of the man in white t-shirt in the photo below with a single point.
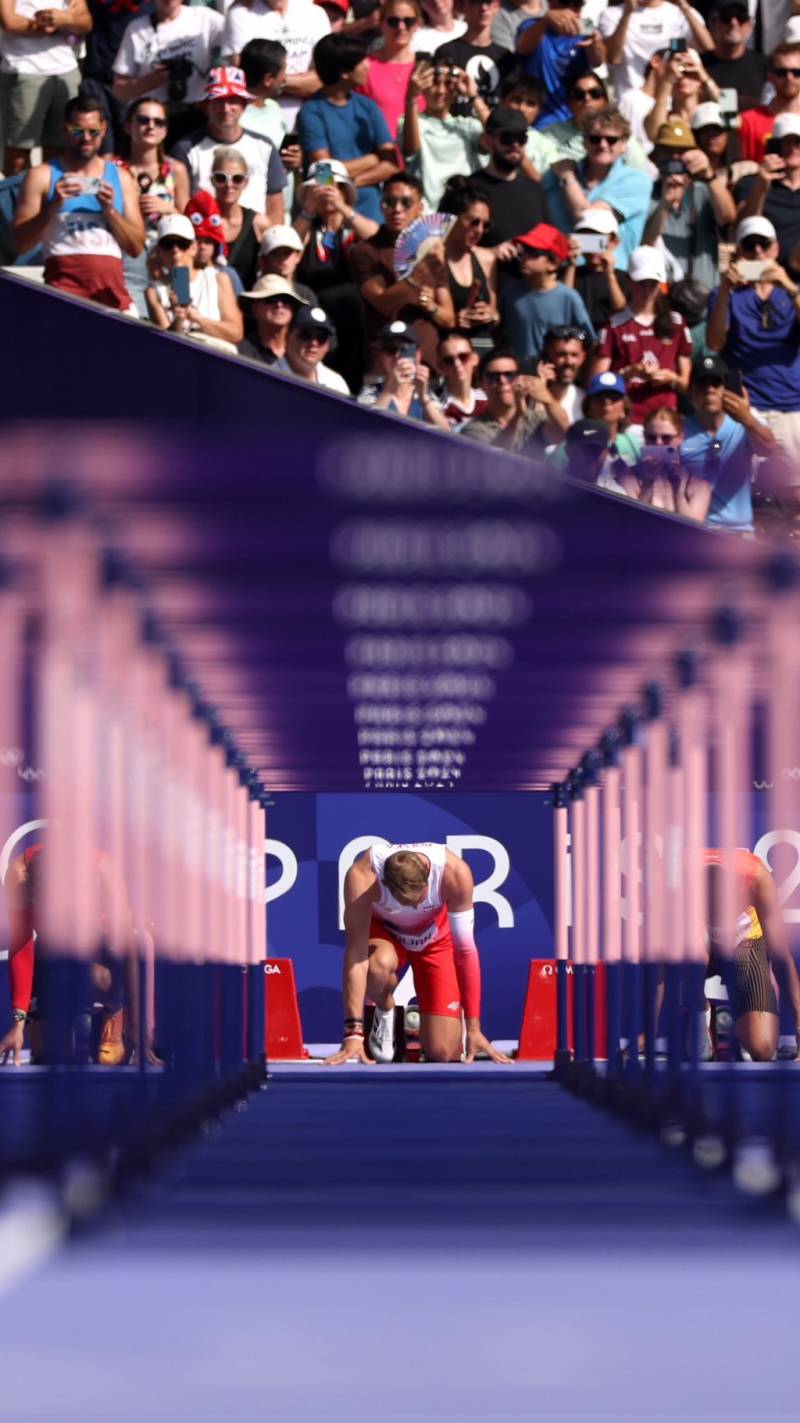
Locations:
(636, 29)
(226, 98)
(38, 75)
(151, 45)
(297, 24)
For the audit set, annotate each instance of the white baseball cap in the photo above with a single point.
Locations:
(791, 34)
(786, 125)
(598, 220)
(280, 236)
(705, 115)
(176, 225)
(647, 265)
(756, 227)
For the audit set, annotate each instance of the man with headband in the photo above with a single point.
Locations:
(411, 904)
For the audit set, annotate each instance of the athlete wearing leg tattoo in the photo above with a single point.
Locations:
(761, 944)
(412, 904)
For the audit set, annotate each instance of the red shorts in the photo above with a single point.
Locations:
(434, 967)
(98, 278)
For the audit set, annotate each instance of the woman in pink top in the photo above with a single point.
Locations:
(390, 66)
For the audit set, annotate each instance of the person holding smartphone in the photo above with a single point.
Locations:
(592, 268)
(402, 385)
(774, 191)
(634, 31)
(658, 478)
(187, 299)
(720, 440)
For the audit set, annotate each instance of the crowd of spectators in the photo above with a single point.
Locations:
(618, 289)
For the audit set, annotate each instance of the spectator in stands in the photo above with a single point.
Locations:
(720, 441)
(733, 63)
(510, 16)
(312, 335)
(516, 202)
(388, 69)
(471, 266)
(602, 178)
(441, 27)
(85, 212)
(648, 343)
(297, 25)
(774, 191)
(242, 226)
(476, 53)
(421, 299)
(461, 400)
(755, 326)
(756, 125)
(39, 74)
(338, 123)
(552, 49)
(212, 310)
(720, 144)
(586, 449)
(607, 400)
(263, 64)
(540, 300)
(516, 405)
(563, 359)
(527, 95)
(167, 55)
(637, 104)
(634, 31)
(691, 205)
(402, 385)
(682, 86)
(586, 95)
(226, 99)
(162, 183)
(279, 255)
(273, 303)
(593, 274)
(690, 299)
(659, 479)
(109, 23)
(438, 143)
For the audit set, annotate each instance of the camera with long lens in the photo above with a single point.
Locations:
(180, 71)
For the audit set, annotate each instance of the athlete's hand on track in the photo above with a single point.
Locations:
(11, 1044)
(478, 1042)
(352, 1050)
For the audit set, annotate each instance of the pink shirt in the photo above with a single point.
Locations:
(387, 84)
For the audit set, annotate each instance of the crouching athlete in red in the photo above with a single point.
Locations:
(412, 904)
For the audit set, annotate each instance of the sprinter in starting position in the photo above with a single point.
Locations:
(412, 904)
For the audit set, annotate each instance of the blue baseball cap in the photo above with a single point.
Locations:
(606, 384)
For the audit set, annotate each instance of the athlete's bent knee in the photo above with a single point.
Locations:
(442, 1054)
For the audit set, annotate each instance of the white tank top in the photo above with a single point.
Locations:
(204, 290)
(414, 925)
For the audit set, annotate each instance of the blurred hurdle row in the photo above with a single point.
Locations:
(707, 757)
(152, 827)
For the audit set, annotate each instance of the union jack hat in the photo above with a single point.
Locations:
(226, 82)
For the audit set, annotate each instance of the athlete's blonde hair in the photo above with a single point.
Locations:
(405, 873)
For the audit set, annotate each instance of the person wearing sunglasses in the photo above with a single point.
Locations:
(586, 95)
(340, 123)
(39, 74)
(162, 183)
(226, 99)
(734, 63)
(527, 95)
(273, 304)
(401, 379)
(774, 191)
(540, 300)
(85, 212)
(721, 438)
(516, 405)
(657, 478)
(604, 179)
(312, 336)
(634, 31)
(516, 201)
(756, 125)
(558, 49)
(298, 25)
(439, 143)
(242, 227)
(212, 312)
(471, 265)
(461, 400)
(389, 68)
(754, 325)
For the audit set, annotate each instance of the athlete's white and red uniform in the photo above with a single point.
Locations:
(447, 973)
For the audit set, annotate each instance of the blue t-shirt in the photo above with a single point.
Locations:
(348, 130)
(528, 316)
(557, 60)
(626, 190)
(723, 457)
(765, 346)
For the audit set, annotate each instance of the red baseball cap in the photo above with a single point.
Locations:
(343, 5)
(547, 239)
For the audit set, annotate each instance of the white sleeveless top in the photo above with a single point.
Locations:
(204, 290)
(414, 925)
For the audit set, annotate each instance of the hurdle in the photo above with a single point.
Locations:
(701, 756)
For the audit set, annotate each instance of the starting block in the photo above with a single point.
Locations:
(283, 1039)
(537, 1038)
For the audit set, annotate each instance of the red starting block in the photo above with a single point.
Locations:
(284, 1034)
(537, 1038)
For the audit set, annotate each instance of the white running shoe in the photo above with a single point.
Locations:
(381, 1035)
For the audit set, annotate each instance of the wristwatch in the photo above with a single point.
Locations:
(19, 1016)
